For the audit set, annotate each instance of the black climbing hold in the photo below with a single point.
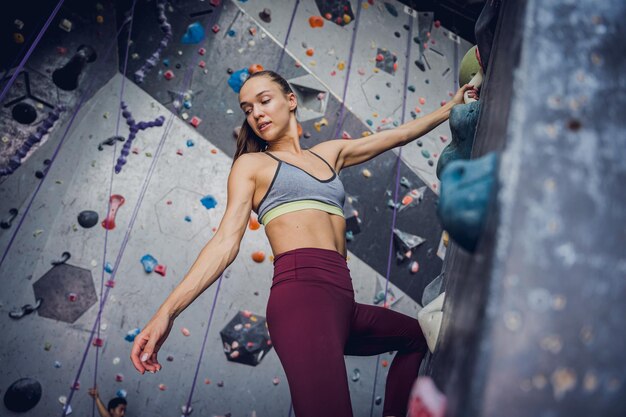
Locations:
(419, 143)
(574, 125)
(378, 400)
(266, 15)
(178, 66)
(391, 9)
(22, 395)
(66, 77)
(406, 27)
(5, 224)
(430, 162)
(229, 70)
(24, 113)
(307, 135)
(88, 219)
(25, 309)
(416, 39)
(427, 81)
(396, 34)
(412, 88)
(377, 97)
(388, 84)
(420, 64)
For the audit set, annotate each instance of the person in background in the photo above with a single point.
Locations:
(115, 408)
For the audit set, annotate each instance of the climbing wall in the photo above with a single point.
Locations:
(172, 185)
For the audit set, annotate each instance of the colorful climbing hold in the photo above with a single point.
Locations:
(425, 153)
(253, 224)
(168, 75)
(316, 21)
(185, 331)
(258, 256)
(310, 52)
(149, 262)
(209, 202)
(366, 173)
(255, 68)
(422, 101)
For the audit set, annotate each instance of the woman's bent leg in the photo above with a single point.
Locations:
(309, 323)
(376, 330)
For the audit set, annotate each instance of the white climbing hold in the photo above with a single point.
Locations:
(429, 319)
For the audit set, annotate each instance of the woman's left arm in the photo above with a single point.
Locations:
(356, 151)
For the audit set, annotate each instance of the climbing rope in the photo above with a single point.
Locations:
(282, 52)
(106, 230)
(20, 67)
(395, 195)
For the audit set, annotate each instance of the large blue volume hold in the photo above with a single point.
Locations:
(463, 120)
(467, 187)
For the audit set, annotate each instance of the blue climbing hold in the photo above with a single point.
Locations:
(190, 143)
(149, 263)
(166, 62)
(121, 393)
(188, 219)
(231, 33)
(187, 104)
(466, 191)
(195, 34)
(209, 202)
(108, 267)
(237, 79)
(463, 120)
(130, 336)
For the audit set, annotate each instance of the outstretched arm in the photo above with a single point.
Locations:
(213, 259)
(357, 151)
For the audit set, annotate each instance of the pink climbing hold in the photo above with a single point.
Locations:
(202, 64)
(195, 121)
(426, 400)
(443, 102)
(119, 377)
(345, 135)
(414, 267)
(160, 269)
(185, 331)
(215, 3)
(179, 152)
(98, 342)
(215, 28)
(72, 297)
(443, 138)
(116, 201)
(202, 51)
(422, 101)
(168, 75)
(110, 283)
(162, 387)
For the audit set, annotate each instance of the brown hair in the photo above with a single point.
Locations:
(247, 140)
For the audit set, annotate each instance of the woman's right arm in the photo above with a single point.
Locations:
(213, 259)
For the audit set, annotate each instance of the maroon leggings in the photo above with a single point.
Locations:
(314, 321)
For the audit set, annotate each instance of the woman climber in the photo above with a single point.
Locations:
(312, 317)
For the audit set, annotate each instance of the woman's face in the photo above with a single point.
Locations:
(266, 107)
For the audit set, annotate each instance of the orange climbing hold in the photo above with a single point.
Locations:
(253, 224)
(255, 68)
(407, 200)
(385, 363)
(310, 52)
(316, 21)
(258, 256)
(299, 130)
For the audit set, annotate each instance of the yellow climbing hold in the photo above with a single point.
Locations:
(341, 65)
(366, 133)
(346, 19)
(366, 173)
(376, 70)
(318, 125)
(366, 5)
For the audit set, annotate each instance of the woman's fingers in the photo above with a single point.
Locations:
(137, 352)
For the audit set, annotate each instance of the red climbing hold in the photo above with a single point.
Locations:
(437, 23)
(98, 342)
(380, 57)
(110, 283)
(202, 64)
(195, 121)
(215, 28)
(160, 269)
(202, 51)
(168, 75)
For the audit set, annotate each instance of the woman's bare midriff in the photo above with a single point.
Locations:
(308, 228)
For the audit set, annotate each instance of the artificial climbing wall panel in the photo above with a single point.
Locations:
(374, 97)
(162, 184)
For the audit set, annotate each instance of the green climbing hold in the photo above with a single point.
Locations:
(369, 122)
(425, 153)
(412, 88)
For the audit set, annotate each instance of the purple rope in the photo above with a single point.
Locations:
(206, 333)
(52, 159)
(339, 123)
(282, 52)
(122, 248)
(30, 51)
(104, 299)
(395, 195)
(106, 230)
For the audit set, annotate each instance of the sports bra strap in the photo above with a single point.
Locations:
(273, 156)
(329, 166)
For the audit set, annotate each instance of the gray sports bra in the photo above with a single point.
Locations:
(293, 189)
